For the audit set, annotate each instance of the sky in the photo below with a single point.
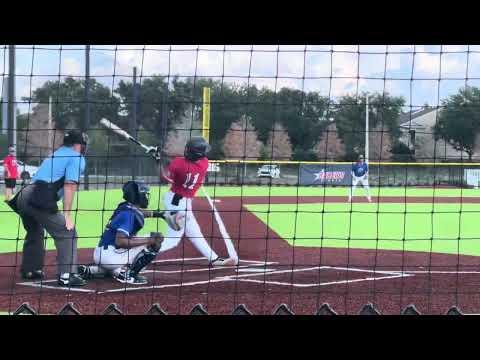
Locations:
(420, 73)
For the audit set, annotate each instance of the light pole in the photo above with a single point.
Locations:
(366, 129)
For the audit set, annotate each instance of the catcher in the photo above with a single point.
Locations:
(120, 253)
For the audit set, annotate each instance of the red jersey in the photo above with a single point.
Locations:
(186, 176)
(10, 166)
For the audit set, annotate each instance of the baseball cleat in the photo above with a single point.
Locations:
(84, 271)
(71, 280)
(88, 272)
(223, 262)
(126, 278)
(140, 280)
(33, 275)
(173, 220)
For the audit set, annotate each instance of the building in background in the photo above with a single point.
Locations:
(35, 142)
(418, 135)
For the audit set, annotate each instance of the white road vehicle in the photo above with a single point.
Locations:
(271, 171)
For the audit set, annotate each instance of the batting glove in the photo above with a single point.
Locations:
(154, 151)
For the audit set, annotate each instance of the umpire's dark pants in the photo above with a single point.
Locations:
(35, 222)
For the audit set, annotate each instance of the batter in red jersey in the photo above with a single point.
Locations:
(187, 174)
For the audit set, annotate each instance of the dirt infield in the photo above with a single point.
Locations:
(270, 272)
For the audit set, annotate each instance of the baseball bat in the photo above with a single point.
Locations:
(117, 130)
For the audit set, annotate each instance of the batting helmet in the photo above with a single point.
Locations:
(196, 148)
(136, 192)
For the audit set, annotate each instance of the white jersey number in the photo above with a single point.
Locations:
(189, 182)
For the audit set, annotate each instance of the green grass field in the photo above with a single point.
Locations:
(390, 229)
(445, 228)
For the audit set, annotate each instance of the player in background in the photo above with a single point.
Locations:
(186, 175)
(121, 253)
(10, 173)
(360, 175)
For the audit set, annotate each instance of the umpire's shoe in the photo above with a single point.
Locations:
(71, 280)
(33, 275)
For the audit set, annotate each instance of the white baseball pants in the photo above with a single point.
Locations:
(112, 259)
(190, 228)
(362, 180)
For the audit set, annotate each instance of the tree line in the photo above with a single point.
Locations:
(250, 122)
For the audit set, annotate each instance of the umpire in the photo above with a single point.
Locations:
(58, 177)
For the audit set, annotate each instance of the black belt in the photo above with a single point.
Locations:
(45, 195)
(176, 199)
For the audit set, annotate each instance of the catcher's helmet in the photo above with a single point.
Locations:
(136, 192)
(196, 148)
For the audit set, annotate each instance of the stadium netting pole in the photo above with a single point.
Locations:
(12, 126)
(206, 114)
(366, 129)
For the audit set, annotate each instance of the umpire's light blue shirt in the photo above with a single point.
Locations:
(63, 162)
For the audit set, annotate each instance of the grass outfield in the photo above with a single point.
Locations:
(97, 206)
(412, 227)
(339, 191)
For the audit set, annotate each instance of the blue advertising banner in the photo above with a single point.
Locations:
(313, 174)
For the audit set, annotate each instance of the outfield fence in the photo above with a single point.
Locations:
(290, 173)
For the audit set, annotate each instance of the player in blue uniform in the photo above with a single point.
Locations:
(120, 252)
(360, 175)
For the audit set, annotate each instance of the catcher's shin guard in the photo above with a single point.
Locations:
(141, 261)
(155, 247)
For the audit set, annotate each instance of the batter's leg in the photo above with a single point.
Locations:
(194, 234)
(172, 237)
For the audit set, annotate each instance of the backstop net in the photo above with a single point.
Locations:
(288, 218)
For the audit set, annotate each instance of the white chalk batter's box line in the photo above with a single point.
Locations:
(238, 277)
(244, 278)
(181, 261)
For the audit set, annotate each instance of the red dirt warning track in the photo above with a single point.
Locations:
(270, 272)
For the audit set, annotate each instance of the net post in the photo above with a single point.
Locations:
(12, 131)
(87, 110)
(132, 124)
(206, 114)
(366, 128)
(50, 130)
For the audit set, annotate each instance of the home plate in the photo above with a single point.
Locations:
(256, 270)
(217, 200)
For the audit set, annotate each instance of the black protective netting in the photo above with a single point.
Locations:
(287, 218)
